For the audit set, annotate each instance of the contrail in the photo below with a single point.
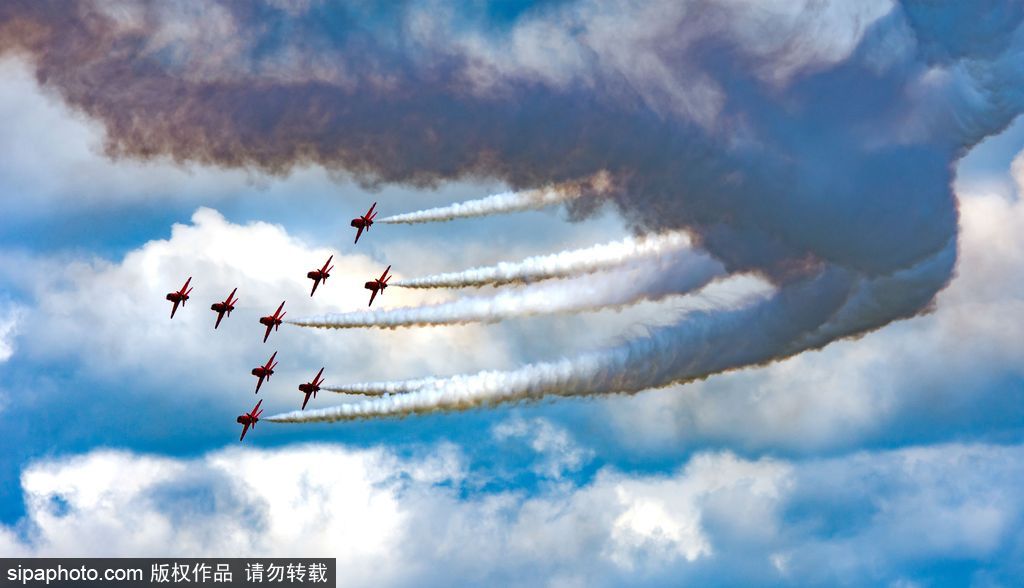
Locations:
(651, 280)
(507, 202)
(798, 317)
(559, 265)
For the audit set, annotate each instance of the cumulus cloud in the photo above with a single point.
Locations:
(559, 452)
(858, 520)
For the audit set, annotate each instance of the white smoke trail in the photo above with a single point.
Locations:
(507, 202)
(699, 344)
(798, 317)
(494, 204)
(650, 280)
(383, 388)
(559, 265)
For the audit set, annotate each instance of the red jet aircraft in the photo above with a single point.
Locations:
(273, 321)
(180, 296)
(365, 221)
(224, 307)
(378, 285)
(264, 371)
(311, 388)
(320, 275)
(249, 419)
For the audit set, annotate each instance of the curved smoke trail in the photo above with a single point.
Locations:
(649, 280)
(559, 265)
(801, 316)
(506, 202)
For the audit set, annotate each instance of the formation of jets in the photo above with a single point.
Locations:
(273, 322)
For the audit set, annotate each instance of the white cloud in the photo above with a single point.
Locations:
(10, 316)
(1017, 173)
(559, 452)
(860, 519)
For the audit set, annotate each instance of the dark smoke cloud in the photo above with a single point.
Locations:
(782, 136)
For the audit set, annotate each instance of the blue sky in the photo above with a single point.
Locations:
(891, 455)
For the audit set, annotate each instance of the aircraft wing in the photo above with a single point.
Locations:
(245, 429)
(305, 400)
(220, 315)
(258, 384)
(384, 275)
(359, 232)
(316, 282)
(174, 309)
(267, 334)
(373, 295)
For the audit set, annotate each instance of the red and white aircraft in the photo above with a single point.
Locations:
(378, 285)
(365, 221)
(273, 321)
(320, 275)
(224, 307)
(311, 388)
(249, 419)
(180, 296)
(264, 371)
